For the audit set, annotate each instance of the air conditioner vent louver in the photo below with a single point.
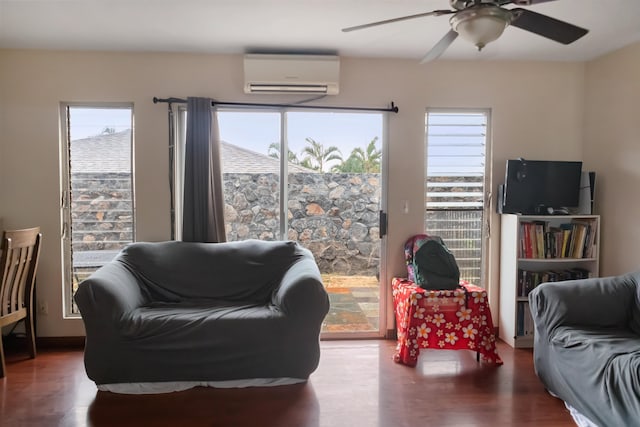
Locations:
(298, 74)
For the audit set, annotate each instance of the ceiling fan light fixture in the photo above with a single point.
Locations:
(481, 25)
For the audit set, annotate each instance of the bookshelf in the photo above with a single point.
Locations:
(536, 249)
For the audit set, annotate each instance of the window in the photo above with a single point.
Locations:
(455, 184)
(97, 190)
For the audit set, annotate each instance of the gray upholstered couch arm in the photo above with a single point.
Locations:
(108, 295)
(301, 292)
(600, 302)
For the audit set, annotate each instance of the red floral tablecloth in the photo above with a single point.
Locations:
(446, 320)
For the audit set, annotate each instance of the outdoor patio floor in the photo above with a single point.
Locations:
(354, 303)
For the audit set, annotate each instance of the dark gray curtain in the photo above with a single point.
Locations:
(203, 205)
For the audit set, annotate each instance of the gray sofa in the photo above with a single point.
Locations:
(207, 312)
(587, 346)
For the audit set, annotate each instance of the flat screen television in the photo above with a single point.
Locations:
(541, 187)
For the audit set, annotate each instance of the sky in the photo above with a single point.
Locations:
(346, 130)
(256, 130)
(343, 130)
(87, 122)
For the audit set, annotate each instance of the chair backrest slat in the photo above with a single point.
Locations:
(9, 280)
(20, 251)
(20, 261)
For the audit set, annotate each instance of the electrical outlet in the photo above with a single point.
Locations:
(43, 307)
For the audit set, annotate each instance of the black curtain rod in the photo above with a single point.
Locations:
(392, 109)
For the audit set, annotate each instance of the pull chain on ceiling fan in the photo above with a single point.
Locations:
(483, 21)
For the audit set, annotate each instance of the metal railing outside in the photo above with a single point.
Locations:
(461, 231)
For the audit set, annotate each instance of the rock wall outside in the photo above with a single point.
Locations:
(333, 215)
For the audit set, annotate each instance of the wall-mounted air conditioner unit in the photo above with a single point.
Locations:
(309, 74)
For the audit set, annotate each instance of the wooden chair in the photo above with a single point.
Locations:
(18, 265)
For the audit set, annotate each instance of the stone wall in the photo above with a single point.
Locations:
(333, 215)
(101, 211)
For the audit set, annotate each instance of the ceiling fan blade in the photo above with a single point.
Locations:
(402, 18)
(546, 26)
(439, 48)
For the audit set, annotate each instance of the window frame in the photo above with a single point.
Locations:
(65, 194)
(487, 180)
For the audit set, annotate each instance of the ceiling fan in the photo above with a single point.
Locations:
(483, 21)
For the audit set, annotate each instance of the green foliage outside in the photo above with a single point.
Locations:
(316, 156)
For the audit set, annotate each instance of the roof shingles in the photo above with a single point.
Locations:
(110, 153)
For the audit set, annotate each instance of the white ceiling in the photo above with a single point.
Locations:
(300, 26)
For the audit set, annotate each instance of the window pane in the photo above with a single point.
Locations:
(334, 206)
(100, 191)
(456, 150)
(250, 152)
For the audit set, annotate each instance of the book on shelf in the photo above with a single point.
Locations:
(540, 231)
(532, 239)
(566, 239)
(523, 242)
(528, 320)
(525, 320)
(589, 239)
(541, 240)
(520, 320)
(528, 280)
(578, 234)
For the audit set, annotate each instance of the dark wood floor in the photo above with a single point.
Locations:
(357, 385)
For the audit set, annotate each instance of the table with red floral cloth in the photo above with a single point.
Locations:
(448, 320)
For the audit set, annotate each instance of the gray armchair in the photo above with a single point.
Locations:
(587, 345)
(177, 311)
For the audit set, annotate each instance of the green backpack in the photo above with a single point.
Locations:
(434, 266)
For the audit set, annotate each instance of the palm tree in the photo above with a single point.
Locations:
(370, 158)
(351, 165)
(362, 161)
(317, 156)
(306, 163)
(274, 151)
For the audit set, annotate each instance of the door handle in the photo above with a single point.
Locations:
(383, 224)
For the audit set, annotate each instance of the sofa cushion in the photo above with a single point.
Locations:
(246, 271)
(190, 326)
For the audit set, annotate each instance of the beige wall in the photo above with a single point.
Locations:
(612, 149)
(537, 113)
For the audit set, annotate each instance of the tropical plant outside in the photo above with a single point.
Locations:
(317, 157)
(362, 161)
